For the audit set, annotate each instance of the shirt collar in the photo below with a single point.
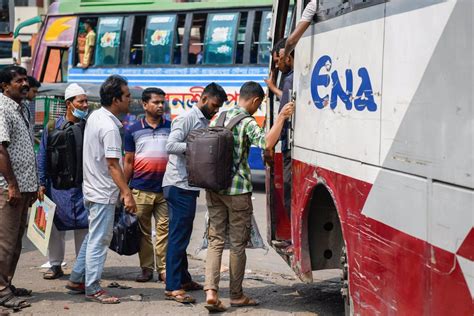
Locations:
(9, 101)
(160, 124)
(199, 112)
(241, 109)
(113, 117)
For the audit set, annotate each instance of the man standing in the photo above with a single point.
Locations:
(103, 181)
(145, 165)
(70, 209)
(180, 196)
(231, 210)
(18, 179)
(90, 44)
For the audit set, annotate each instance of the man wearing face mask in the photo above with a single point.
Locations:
(70, 211)
(180, 196)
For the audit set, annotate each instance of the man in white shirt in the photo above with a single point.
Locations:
(103, 181)
(306, 18)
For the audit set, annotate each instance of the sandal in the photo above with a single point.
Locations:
(55, 272)
(77, 288)
(246, 303)
(179, 296)
(15, 303)
(103, 298)
(218, 307)
(19, 291)
(192, 286)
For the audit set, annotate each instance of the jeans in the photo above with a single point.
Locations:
(91, 259)
(182, 209)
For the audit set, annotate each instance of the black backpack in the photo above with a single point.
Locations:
(126, 233)
(64, 155)
(209, 154)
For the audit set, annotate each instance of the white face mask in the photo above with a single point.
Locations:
(80, 114)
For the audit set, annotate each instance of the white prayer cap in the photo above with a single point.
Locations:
(73, 90)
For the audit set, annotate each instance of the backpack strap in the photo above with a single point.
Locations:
(221, 119)
(236, 120)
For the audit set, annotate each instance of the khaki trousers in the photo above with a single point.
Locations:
(232, 214)
(152, 204)
(12, 226)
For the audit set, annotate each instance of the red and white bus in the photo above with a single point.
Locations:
(382, 155)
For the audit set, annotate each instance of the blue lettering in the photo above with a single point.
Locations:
(364, 98)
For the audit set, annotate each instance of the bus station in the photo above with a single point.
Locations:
(345, 185)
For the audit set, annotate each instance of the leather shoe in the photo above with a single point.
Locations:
(145, 276)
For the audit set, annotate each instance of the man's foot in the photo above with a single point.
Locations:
(145, 276)
(243, 301)
(179, 296)
(192, 286)
(213, 304)
(55, 272)
(162, 277)
(76, 288)
(19, 291)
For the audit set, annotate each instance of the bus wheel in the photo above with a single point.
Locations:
(345, 283)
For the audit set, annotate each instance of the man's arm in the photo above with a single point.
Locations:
(176, 143)
(6, 170)
(273, 134)
(301, 27)
(128, 166)
(270, 81)
(117, 175)
(42, 164)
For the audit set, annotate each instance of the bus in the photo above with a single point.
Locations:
(179, 46)
(382, 155)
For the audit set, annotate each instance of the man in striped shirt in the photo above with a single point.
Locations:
(231, 210)
(145, 165)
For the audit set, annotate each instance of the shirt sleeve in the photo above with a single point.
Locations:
(4, 126)
(255, 133)
(129, 142)
(112, 144)
(309, 12)
(179, 131)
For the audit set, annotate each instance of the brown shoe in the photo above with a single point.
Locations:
(145, 276)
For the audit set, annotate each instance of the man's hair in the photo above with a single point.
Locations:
(33, 82)
(279, 45)
(251, 89)
(112, 88)
(215, 91)
(90, 22)
(8, 73)
(147, 93)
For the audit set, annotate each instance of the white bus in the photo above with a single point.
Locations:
(382, 155)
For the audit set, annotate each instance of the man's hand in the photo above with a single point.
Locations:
(268, 155)
(41, 192)
(288, 110)
(14, 195)
(129, 202)
(270, 80)
(32, 197)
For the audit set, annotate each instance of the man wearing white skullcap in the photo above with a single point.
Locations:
(68, 197)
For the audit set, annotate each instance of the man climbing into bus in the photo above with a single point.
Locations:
(180, 196)
(70, 212)
(90, 44)
(272, 78)
(145, 164)
(230, 210)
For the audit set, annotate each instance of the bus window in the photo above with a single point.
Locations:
(179, 39)
(264, 39)
(239, 56)
(220, 38)
(6, 9)
(108, 41)
(196, 39)
(82, 35)
(55, 67)
(159, 39)
(138, 39)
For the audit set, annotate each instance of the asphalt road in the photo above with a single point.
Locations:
(268, 279)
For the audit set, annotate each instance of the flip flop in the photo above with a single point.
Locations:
(118, 286)
(218, 307)
(15, 303)
(246, 303)
(179, 296)
(103, 298)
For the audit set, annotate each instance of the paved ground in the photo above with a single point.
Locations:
(268, 279)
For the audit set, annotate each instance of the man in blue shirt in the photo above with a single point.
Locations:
(145, 165)
(70, 209)
(180, 196)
